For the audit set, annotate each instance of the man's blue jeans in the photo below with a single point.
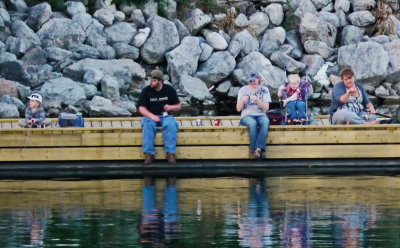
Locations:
(258, 130)
(169, 130)
(296, 109)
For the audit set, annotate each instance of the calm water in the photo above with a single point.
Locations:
(222, 212)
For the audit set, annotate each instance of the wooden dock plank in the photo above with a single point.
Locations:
(193, 152)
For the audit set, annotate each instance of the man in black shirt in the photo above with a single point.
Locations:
(155, 103)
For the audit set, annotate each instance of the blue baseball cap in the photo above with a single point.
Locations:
(253, 76)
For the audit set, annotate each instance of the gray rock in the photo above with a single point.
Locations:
(328, 8)
(141, 37)
(329, 18)
(381, 92)
(343, 5)
(342, 18)
(274, 77)
(121, 69)
(129, 106)
(95, 35)
(194, 87)
(361, 18)
(29, 75)
(106, 4)
(305, 6)
(241, 21)
(7, 57)
(319, 4)
(258, 22)
(61, 90)
(38, 15)
(206, 52)
(393, 70)
(215, 40)
(318, 47)
(313, 62)
(5, 33)
(126, 51)
(360, 5)
(74, 8)
(120, 33)
(17, 46)
(89, 89)
(84, 20)
(8, 87)
(5, 17)
(351, 35)
(150, 9)
(240, 76)
(153, 51)
(106, 52)
(285, 49)
(8, 110)
(57, 54)
(3, 47)
(182, 30)
(247, 43)
(184, 58)
(61, 32)
(275, 13)
(293, 38)
(272, 40)
(171, 9)
(216, 68)
(105, 16)
(284, 61)
(127, 8)
(381, 39)
(138, 18)
(226, 36)
(313, 28)
(196, 20)
(369, 61)
(233, 92)
(18, 5)
(102, 107)
(93, 76)
(82, 51)
(223, 88)
(22, 31)
(35, 56)
(14, 101)
(110, 88)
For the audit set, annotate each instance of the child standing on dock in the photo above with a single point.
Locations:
(253, 101)
(34, 113)
(156, 101)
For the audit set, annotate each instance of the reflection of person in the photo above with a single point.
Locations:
(296, 230)
(255, 229)
(156, 101)
(37, 225)
(350, 103)
(253, 101)
(34, 113)
(160, 228)
(293, 100)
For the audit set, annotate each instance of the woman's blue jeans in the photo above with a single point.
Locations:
(169, 131)
(296, 109)
(258, 130)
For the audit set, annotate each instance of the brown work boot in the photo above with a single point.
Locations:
(148, 158)
(171, 157)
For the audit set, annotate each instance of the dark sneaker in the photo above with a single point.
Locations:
(148, 158)
(257, 153)
(171, 157)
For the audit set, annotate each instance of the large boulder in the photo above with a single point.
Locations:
(284, 61)
(84, 19)
(196, 20)
(194, 87)
(61, 32)
(272, 40)
(361, 18)
(184, 58)
(275, 13)
(393, 49)
(351, 35)
(369, 60)
(215, 40)
(8, 87)
(313, 62)
(61, 90)
(95, 35)
(82, 51)
(141, 37)
(29, 75)
(110, 88)
(313, 28)
(318, 47)
(8, 110)
(23, 31)
(121, 32)
(102, 107)
(293, 38)
(359, 5)
(182, 29)
(243, 43)
(123, 50)
(258, 22)
(74, 7)
(163, 38)
(304, 7)
(104, 16)
(216, 68)
(38, 15)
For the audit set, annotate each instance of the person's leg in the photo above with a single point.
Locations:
(149, 133)
(291, 110)
(301, 109)
(344, 116)
(170, 133)
(251, 124)
(263, 125)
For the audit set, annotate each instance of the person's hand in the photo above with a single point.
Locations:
(155, 118)
(352, 89)
(245, 99)
(371, 110)
(167, 107)
(285, 102)
(253, 98)
(32, 121)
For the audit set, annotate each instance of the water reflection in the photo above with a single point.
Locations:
(160, 226)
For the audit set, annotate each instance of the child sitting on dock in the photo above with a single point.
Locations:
(293, 100)
(34, 113)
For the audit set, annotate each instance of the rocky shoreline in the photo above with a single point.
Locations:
(97, 64)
